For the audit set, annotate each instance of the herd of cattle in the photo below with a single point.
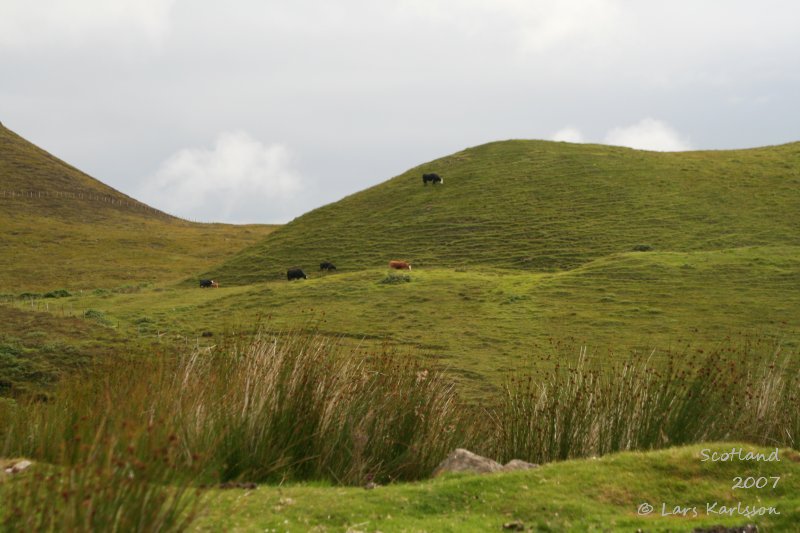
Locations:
(297, 273)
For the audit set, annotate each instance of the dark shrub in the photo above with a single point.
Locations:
(58, 293)
(97, 316)
(396, 278)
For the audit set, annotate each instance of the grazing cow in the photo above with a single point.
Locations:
(400, 265)
(433, 178)
(205, 283)
(295, 273)
(327, 265)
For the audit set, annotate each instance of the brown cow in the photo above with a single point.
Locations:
(400, 265)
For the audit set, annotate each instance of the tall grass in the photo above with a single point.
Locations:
(112, 465)
(581, 409)
(130, 440)
(305, 408)
(276, 408)
(107, 491)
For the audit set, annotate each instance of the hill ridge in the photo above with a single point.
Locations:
(65, 229)
(544, 206)
(33, 175)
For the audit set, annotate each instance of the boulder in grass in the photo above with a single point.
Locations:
(747, 528)
(518, 464)
(462, 460)
(18, 467)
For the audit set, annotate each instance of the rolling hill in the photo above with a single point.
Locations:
(543, 207)
(527, 244)
(65, 229)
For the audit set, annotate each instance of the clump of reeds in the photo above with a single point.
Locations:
(293, 407)
(584, 409)
(305, 408)
(112, 486)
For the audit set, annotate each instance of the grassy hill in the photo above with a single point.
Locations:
(64, 229)
(527, 244)
(543, 206)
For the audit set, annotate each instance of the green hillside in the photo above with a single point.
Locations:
(64, 229)
(544, 206)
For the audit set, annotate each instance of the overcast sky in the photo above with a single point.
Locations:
(260, 110)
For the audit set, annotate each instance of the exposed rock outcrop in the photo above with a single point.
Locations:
(462, 460)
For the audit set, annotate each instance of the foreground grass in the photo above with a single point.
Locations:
(581, 495)
(130, 439)
(602, 494)
(266, 410)
(305, 408)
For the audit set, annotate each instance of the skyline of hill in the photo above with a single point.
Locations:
(544, 206)
(65, 229)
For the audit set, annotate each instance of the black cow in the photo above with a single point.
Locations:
(433, 178)
(295, 273)
(206, 283)
(327, 265)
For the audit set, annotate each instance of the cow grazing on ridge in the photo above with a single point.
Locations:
(433, 178)
(400, 265)
(295, 273)
(206, 283)
(327, 265)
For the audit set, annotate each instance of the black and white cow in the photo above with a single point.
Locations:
(433, 178)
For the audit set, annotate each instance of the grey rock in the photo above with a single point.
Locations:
(518, 464)
(18, 467)
(747, 528)
(462, 460)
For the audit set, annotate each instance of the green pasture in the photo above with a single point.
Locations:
(483, 323)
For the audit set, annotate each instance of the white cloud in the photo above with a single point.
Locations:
(568, 134)
(648, 134)
(59, 22)
(238, 180)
